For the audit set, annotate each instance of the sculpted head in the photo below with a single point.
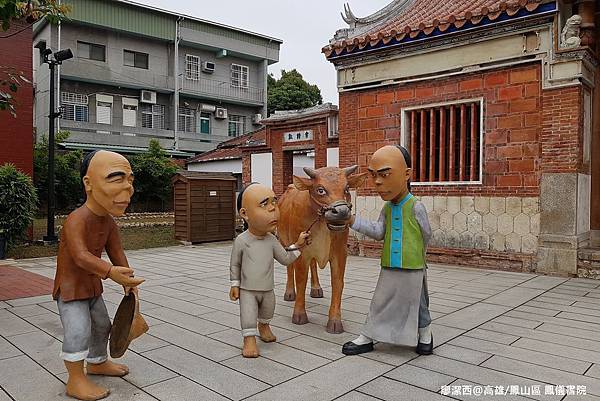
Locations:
(108, 182)
(257, 205)
(330, 186)
(390, 170)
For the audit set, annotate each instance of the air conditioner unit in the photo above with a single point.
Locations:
(256, 118)
(221, 113)
(208, 67)
(148, 97)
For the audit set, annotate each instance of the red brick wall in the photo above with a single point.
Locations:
(16, 134)
(371, 118)
(562, 123)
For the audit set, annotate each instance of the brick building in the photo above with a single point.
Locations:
(16, 134)
(495, 102)
(289, 141)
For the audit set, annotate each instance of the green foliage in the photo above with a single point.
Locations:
(68, 188)
(18, 202)
(291, 92)
(10, 81)
(153, 171)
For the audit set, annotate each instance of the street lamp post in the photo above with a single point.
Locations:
(59, 57)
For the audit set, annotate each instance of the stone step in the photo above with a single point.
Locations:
(589, 254)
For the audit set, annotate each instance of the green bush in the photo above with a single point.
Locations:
(18, 203)
(153, 171)
(68, 190)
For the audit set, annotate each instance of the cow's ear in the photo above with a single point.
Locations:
(302, 184)
(357, 180)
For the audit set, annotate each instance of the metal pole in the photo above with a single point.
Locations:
(176, 93)
(50, 235)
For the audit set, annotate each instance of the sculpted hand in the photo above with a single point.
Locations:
(234, 293)
(124, 276)
(303, 239)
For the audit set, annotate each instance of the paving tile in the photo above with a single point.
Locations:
(7, 350)
(50, 323)
(326, 383)
(514, 296)
(472, 316)
(186, 321)
(263, 369)
(542, 374)
(544, 358)
(489, 335)
(194, 342)
(144, 372)
(461, 353)
(29, 310)
(30, 300)
(42, 348)
(182, 389)
(291, 356)
(120, 389)
(356, 396)
(565, 350)
(11, 325)
(388, 389)
(24, 380)
(147, 342)
(212, 375)
(543, 282)
(427, 379)
(315, 346)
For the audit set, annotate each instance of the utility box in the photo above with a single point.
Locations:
(204, 206)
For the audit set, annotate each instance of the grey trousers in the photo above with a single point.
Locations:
(87, 327)
(424, 316)
(255, 306)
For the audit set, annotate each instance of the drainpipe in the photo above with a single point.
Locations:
(176, 93)
(57, 95)
(265, 85)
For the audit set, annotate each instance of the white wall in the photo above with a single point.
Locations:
(218, 166)
(301, 161)
(261, 166)
(333, 157)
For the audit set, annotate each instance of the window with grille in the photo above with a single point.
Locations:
(236, 125)
(445, 142)
(239, 75)
(192, 67)
(186, 121)
(91, 51)
(75, 106)
(204, 123)
(153, 116)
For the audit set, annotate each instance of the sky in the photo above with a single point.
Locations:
(305, 26)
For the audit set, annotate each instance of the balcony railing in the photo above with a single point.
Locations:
(222, 90)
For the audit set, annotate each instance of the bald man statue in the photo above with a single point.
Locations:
(90, 229)
(399, 311)
(251, 269)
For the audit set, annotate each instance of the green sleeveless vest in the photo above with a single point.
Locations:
(403, 246)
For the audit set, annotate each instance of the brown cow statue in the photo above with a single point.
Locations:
(321, 204)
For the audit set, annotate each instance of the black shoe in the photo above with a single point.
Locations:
(425, 349)
(353, 349)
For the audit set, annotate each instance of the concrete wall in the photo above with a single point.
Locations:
(218, 166)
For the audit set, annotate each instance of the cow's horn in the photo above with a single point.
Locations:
(310, 172)
(350, 170)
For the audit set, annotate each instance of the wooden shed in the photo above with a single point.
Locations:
(204, 206)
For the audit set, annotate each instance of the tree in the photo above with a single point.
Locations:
(18, 202)
(30, 11)
(291, 92)
(66, 173)
(153, 171)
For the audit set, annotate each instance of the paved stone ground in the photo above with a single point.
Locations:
(16, 283)
(491, 328)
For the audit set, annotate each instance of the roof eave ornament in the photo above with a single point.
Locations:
(348, 16)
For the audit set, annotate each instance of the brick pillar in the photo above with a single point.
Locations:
(564, 188)
(246, 168)
(287, 171)
(275, 140)
(320, 146)
(348, 128)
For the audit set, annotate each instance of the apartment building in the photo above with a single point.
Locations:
(140, 72)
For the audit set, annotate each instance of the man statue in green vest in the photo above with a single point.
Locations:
(399, 311)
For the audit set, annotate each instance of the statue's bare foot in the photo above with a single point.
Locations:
(107, 368)
(250, 349)
(82, 388)
(266, 334)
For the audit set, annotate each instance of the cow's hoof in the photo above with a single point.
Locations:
(289, 296)
(334, 326)
(316, 293)
(300, 318)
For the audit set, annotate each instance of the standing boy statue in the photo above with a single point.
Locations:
(107, 180)
(252, 266)
(399, 309)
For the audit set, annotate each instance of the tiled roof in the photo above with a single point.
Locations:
(232, 149)
(421, 18)
(301, 113)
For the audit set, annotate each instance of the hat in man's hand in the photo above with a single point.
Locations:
(128, 325)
